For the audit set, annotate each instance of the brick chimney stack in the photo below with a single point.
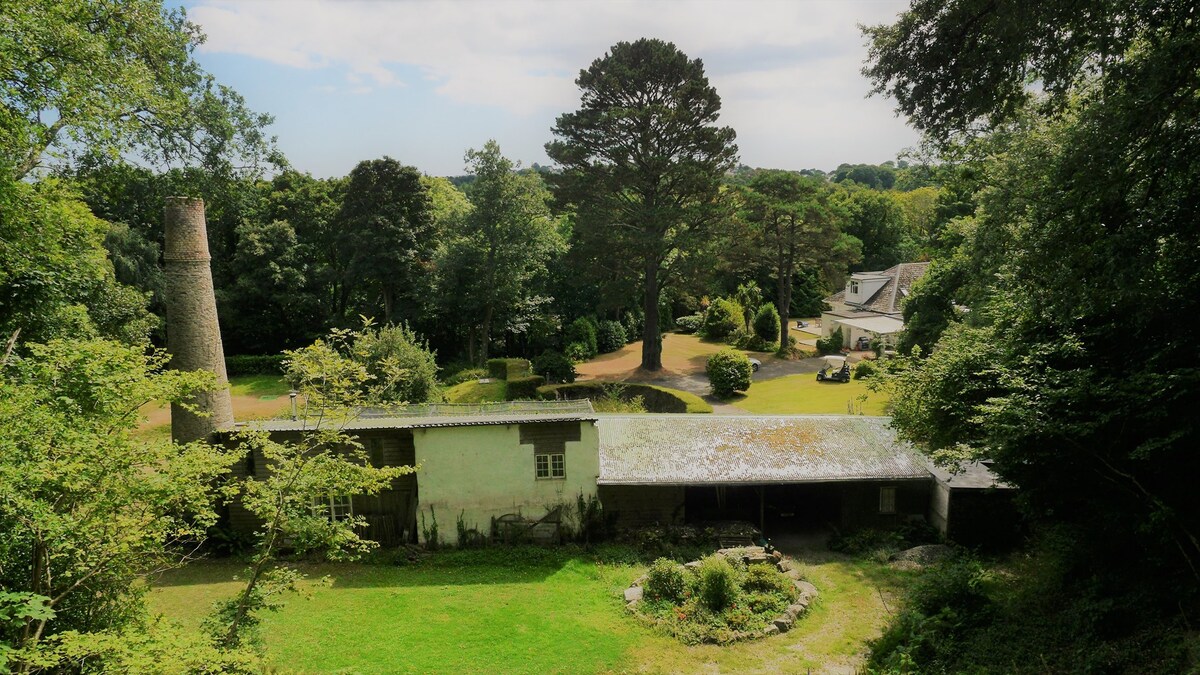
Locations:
(193, 334)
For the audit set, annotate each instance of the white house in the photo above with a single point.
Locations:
(870, 305)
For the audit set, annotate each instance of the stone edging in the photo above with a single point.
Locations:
(751, 555)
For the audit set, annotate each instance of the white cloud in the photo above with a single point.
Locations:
(786, 70)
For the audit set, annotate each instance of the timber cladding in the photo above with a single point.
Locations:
(643, 505)
(549, 437)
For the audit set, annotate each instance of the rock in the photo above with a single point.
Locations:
(756, 559)
(796, 610)
(640, 581)
(633, 594)
(793, 574)
(692, 565)
(783, 623)
(783, 565)
(924, 555)
(806, 588)
(803, 601)
(777, 555)
(770, 630)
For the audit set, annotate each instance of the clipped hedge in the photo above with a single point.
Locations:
(657, 399)
(524, 387)
(507, 369)
(248, 364)
(610, 337)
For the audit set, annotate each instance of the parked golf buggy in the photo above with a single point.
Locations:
(836, 369)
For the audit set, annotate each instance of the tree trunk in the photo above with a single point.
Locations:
(485, 335)
(783, 300)
(388, 302)
(651, 341)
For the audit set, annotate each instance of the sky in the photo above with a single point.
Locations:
(423, 82)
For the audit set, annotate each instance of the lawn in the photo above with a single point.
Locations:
(473, 391)
(253, 396)
(522, 611)
(804, 395)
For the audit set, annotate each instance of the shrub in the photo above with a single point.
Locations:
(767, 579)
(766, 323)
(554, 366)
(864, 369)
(507, 369)
(655, 399)
(404, 367)
(582, 332)
(466, 375)
(728, 371)
(269, 364)
(716, 582)
(633, 322)
(751, 342)
(610, 336)
(832, 344)
(577, 352)
(690, 323)
(497, 368)
(665, 581)
(723, 318)
(525, 387)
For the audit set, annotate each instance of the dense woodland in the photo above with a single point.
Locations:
(1053, 335)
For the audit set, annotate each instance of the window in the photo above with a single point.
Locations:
(853, 288)
(334, 507)
(550, 465)
(887, 500)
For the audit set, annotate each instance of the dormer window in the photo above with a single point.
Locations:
(853, 288)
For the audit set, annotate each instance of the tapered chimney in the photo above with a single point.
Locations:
(193, 334)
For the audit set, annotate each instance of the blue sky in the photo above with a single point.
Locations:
(424, 81)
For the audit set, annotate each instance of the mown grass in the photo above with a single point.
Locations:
(522, 610)
(474, 391)
(804, 395)
(262, 386)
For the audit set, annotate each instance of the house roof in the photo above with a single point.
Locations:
(967, 476)
(727, 449)
(883, 325)
(367, 423)
(890, 296)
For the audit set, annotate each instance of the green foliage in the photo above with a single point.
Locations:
(665, 580)
(867, 175)
(497, 368)
(767, 580)
(610, 336)
(466, 375)
(555, 367)
(617, 399)
(400, 363)
(88, 509)
(690, 323)
(581, 332)
(717, 582)
(748, 296)
(506, 368)
(766, 323)
(55, 278)
(386, 236)
(723, 318)
(876, 219)
(864, 369)
(633, 321)
(728, 371)
(664, 187)
(577, 352)
(524, 388)
(248, 364)
(832, 344)
(103, 80)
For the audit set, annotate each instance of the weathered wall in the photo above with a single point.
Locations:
(642, 505)
(482, 472)
(860, 503)
(193, 335)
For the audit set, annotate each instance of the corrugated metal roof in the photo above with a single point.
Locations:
(727, 449)
(365, 423)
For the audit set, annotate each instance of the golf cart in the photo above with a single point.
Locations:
(836, 369)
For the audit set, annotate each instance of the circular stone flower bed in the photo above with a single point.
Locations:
(735, 594)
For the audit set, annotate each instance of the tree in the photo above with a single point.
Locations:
(798, 223)
(387, 235)
(875, 219)
(55, 276)
(106, 78)
(729, 371)
(87, 509)
(326, 461)
(1087, 221)
(400, 365)
(266, 307)
(500, 247)
(642, 162)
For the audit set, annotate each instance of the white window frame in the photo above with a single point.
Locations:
(854, 288)
(887, 500)
(334, 508)
(550, 465)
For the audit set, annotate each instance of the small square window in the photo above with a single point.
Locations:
(887, 500)
(336, 508)
(550, 465)
(853, 288)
